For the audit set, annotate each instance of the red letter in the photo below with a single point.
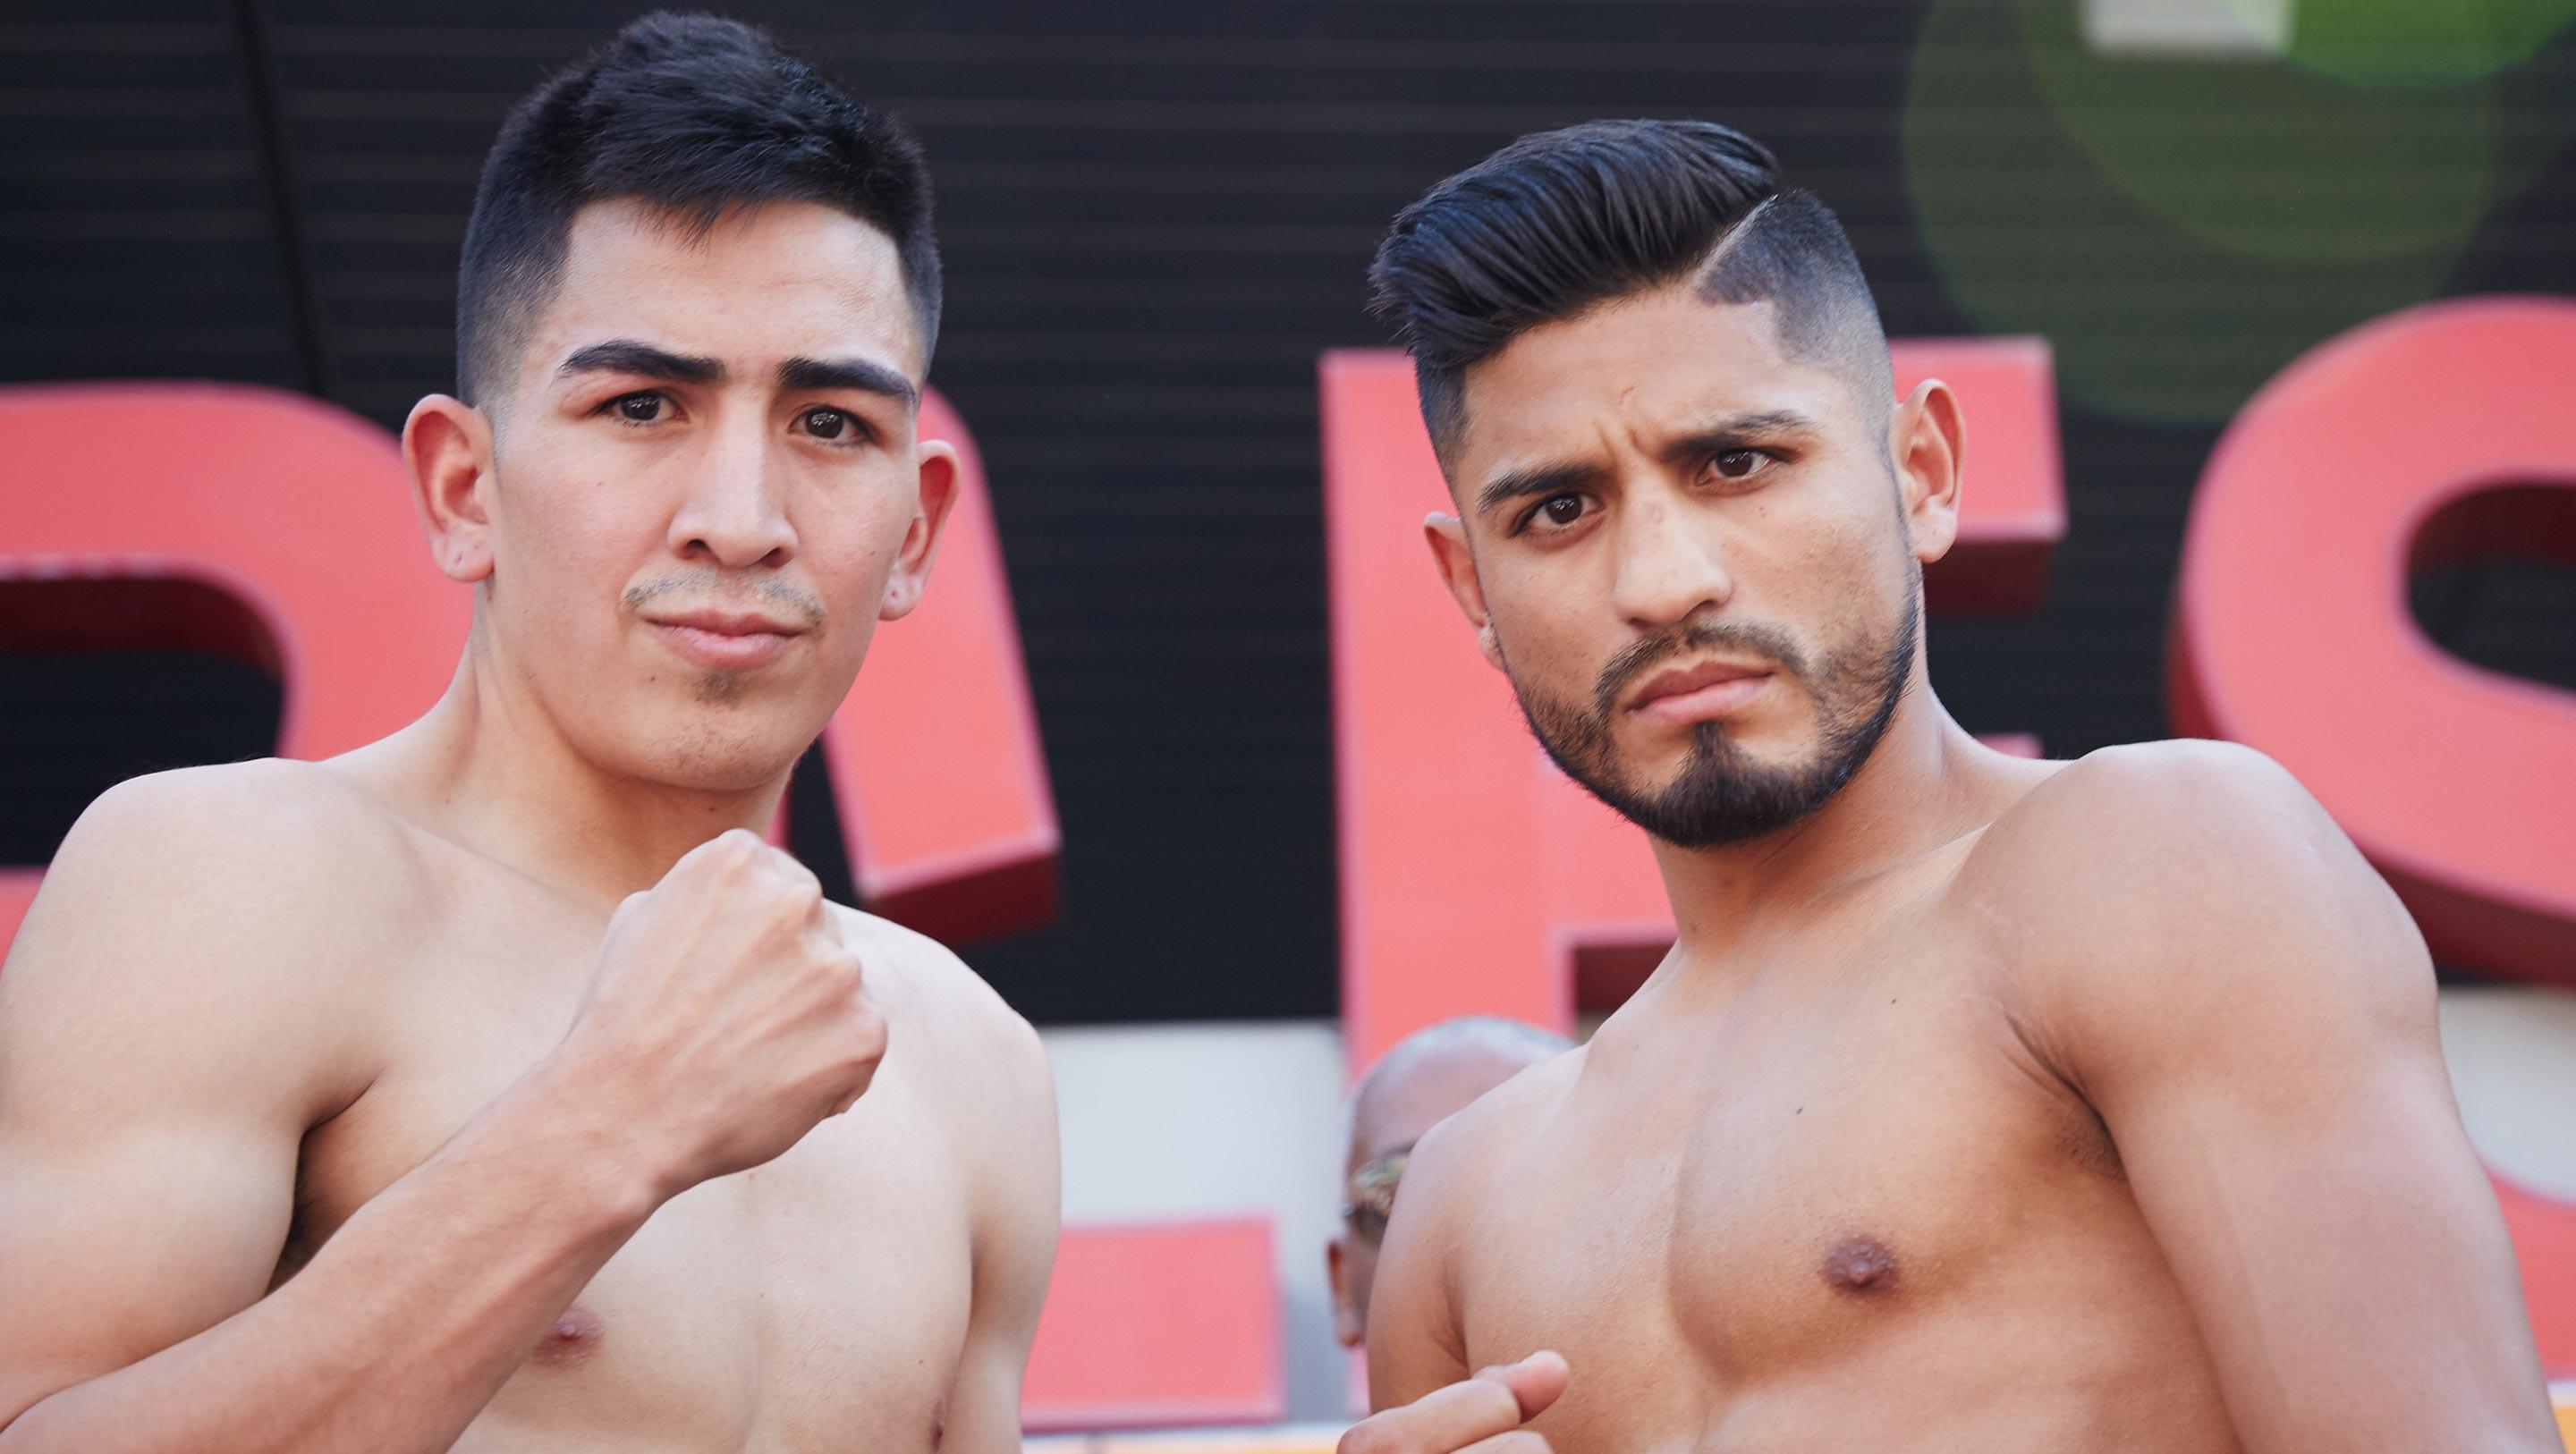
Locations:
(2438, 432)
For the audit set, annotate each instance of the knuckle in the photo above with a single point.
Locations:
(736, 849)
(800, 897)
(868, 1028)
(839, 969)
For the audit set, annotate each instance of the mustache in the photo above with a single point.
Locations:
(720, 587)
(1736, 638)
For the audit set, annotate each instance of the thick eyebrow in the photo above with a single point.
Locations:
(1736, 432)
(632, 356)
(848, 373)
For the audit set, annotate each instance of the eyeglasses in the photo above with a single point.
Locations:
(1371, 1194)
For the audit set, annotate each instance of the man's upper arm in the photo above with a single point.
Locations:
(157, 1072)
(2252, 1014)
(1414, 1344)
(1008, 1106)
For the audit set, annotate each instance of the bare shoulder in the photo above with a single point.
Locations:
(2152, 884)
(272, 852)
(984, 1053)
(1454, 1164)
(953, 1001)
(207, 907)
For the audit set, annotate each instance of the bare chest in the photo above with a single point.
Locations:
(818, 1301)
(1743, 1228)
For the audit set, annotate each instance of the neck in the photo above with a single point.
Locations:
(1926, 783)
(490, 769)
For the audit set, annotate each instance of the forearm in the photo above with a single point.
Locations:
(403, 1326)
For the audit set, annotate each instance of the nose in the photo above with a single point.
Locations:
(735, 514)
(1671, 563)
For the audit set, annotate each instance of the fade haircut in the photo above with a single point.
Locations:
(691, 115)
(1561, 221)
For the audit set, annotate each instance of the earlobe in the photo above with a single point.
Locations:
(447, 446)
(1447, 537)
(936, 494)
(1926, 438)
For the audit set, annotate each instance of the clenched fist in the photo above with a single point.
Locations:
(726, 1017)
(1479, 1415)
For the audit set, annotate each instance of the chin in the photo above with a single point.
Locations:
(717, 752)
(721, 769)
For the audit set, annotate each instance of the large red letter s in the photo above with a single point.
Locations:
(2436, 434)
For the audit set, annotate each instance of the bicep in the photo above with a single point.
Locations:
(157, 1072)
(2336, 1239)
(133, 1238)
(2255, 1022)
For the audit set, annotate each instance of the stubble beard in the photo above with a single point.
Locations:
(1722, 794)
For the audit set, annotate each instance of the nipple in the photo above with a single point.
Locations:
(1860, 1267)
(573, 1339)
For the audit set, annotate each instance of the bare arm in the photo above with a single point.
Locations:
(178, 1011)
(1414, 1342)
(395, 1336)
(170, 1026)
(2252, 1014)
(1018, 1189)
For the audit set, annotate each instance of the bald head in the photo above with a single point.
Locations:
(1434, 1073)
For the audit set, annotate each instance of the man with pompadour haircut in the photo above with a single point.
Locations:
(1981, 1103)
(495, 1086)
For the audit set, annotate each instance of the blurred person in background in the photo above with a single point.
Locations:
(495, 1085)
(1981, 1103)
(1424, 1079)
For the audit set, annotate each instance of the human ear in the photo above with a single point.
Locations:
(937, 464)
(1925, 437)
(447, 447)
(1447, 538)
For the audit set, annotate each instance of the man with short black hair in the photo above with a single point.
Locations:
(1980, 1103)
(495, 1085)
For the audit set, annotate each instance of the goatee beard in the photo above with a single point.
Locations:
(1721, 794)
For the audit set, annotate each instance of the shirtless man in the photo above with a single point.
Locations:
(1420, 1081)
(484, 1087)
(1981, 1105)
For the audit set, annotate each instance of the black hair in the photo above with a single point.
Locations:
(1560, 221)
(692, 115)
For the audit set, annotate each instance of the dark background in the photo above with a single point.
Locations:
(1154, 214)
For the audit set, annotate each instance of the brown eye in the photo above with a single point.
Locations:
(1735, 464)
(825, 423)
(1563, 509)
(640, 408)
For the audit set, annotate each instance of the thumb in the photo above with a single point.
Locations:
(1537, 1381)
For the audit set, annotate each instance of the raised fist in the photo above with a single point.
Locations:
(725, 1017)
